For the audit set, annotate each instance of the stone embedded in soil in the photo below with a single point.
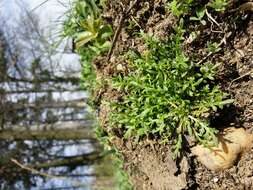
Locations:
(233, 142)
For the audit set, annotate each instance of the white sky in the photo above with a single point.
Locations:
(50, 17)
(47, 11)
(49, 14)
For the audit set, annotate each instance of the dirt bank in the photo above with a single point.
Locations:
(149, 163)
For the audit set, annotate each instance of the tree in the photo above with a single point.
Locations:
(44, 132)
(69, 130)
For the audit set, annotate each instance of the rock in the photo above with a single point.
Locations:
(233, 142)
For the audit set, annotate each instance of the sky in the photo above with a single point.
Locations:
(50, 14)
(47, 11)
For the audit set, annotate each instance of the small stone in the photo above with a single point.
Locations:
(120, 67)
(215, 179)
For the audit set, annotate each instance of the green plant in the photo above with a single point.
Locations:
(167, 95)
(200, 13)
(179, 7)
(85, 25)
(91, 36)
(218, 5)
(213, 47)
(102, 3)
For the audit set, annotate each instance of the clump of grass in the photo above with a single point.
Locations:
(167, 95)
(91, 36)
(86, 26)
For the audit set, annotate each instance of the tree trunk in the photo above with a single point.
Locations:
(81, 160)
(55, 79)
(28, 91)
(58, 131)
(54, 104)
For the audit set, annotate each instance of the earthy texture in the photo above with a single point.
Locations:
(149, 163)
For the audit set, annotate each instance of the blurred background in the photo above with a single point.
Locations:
(46, 136)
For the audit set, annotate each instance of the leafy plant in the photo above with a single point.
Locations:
(86, 26)
(213, 47)
(200, 13)
(167, 95)
(179, 7)
(91, 36)
(88, 74)
(218, 5)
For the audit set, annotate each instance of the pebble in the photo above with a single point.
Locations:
(215, 179)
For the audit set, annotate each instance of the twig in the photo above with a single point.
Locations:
(39, 5)
(135, 21)
(115, 37)
(34, 171)
(213, 20)
(118, 30)
(244, 75)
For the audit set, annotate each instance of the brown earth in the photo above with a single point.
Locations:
(150, 164)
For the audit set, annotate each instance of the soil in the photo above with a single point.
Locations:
(150, 164)
(239, 60)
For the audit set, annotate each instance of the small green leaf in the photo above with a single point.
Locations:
(218, 5)
(201, 12)
(194, 18)
(83, 38)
